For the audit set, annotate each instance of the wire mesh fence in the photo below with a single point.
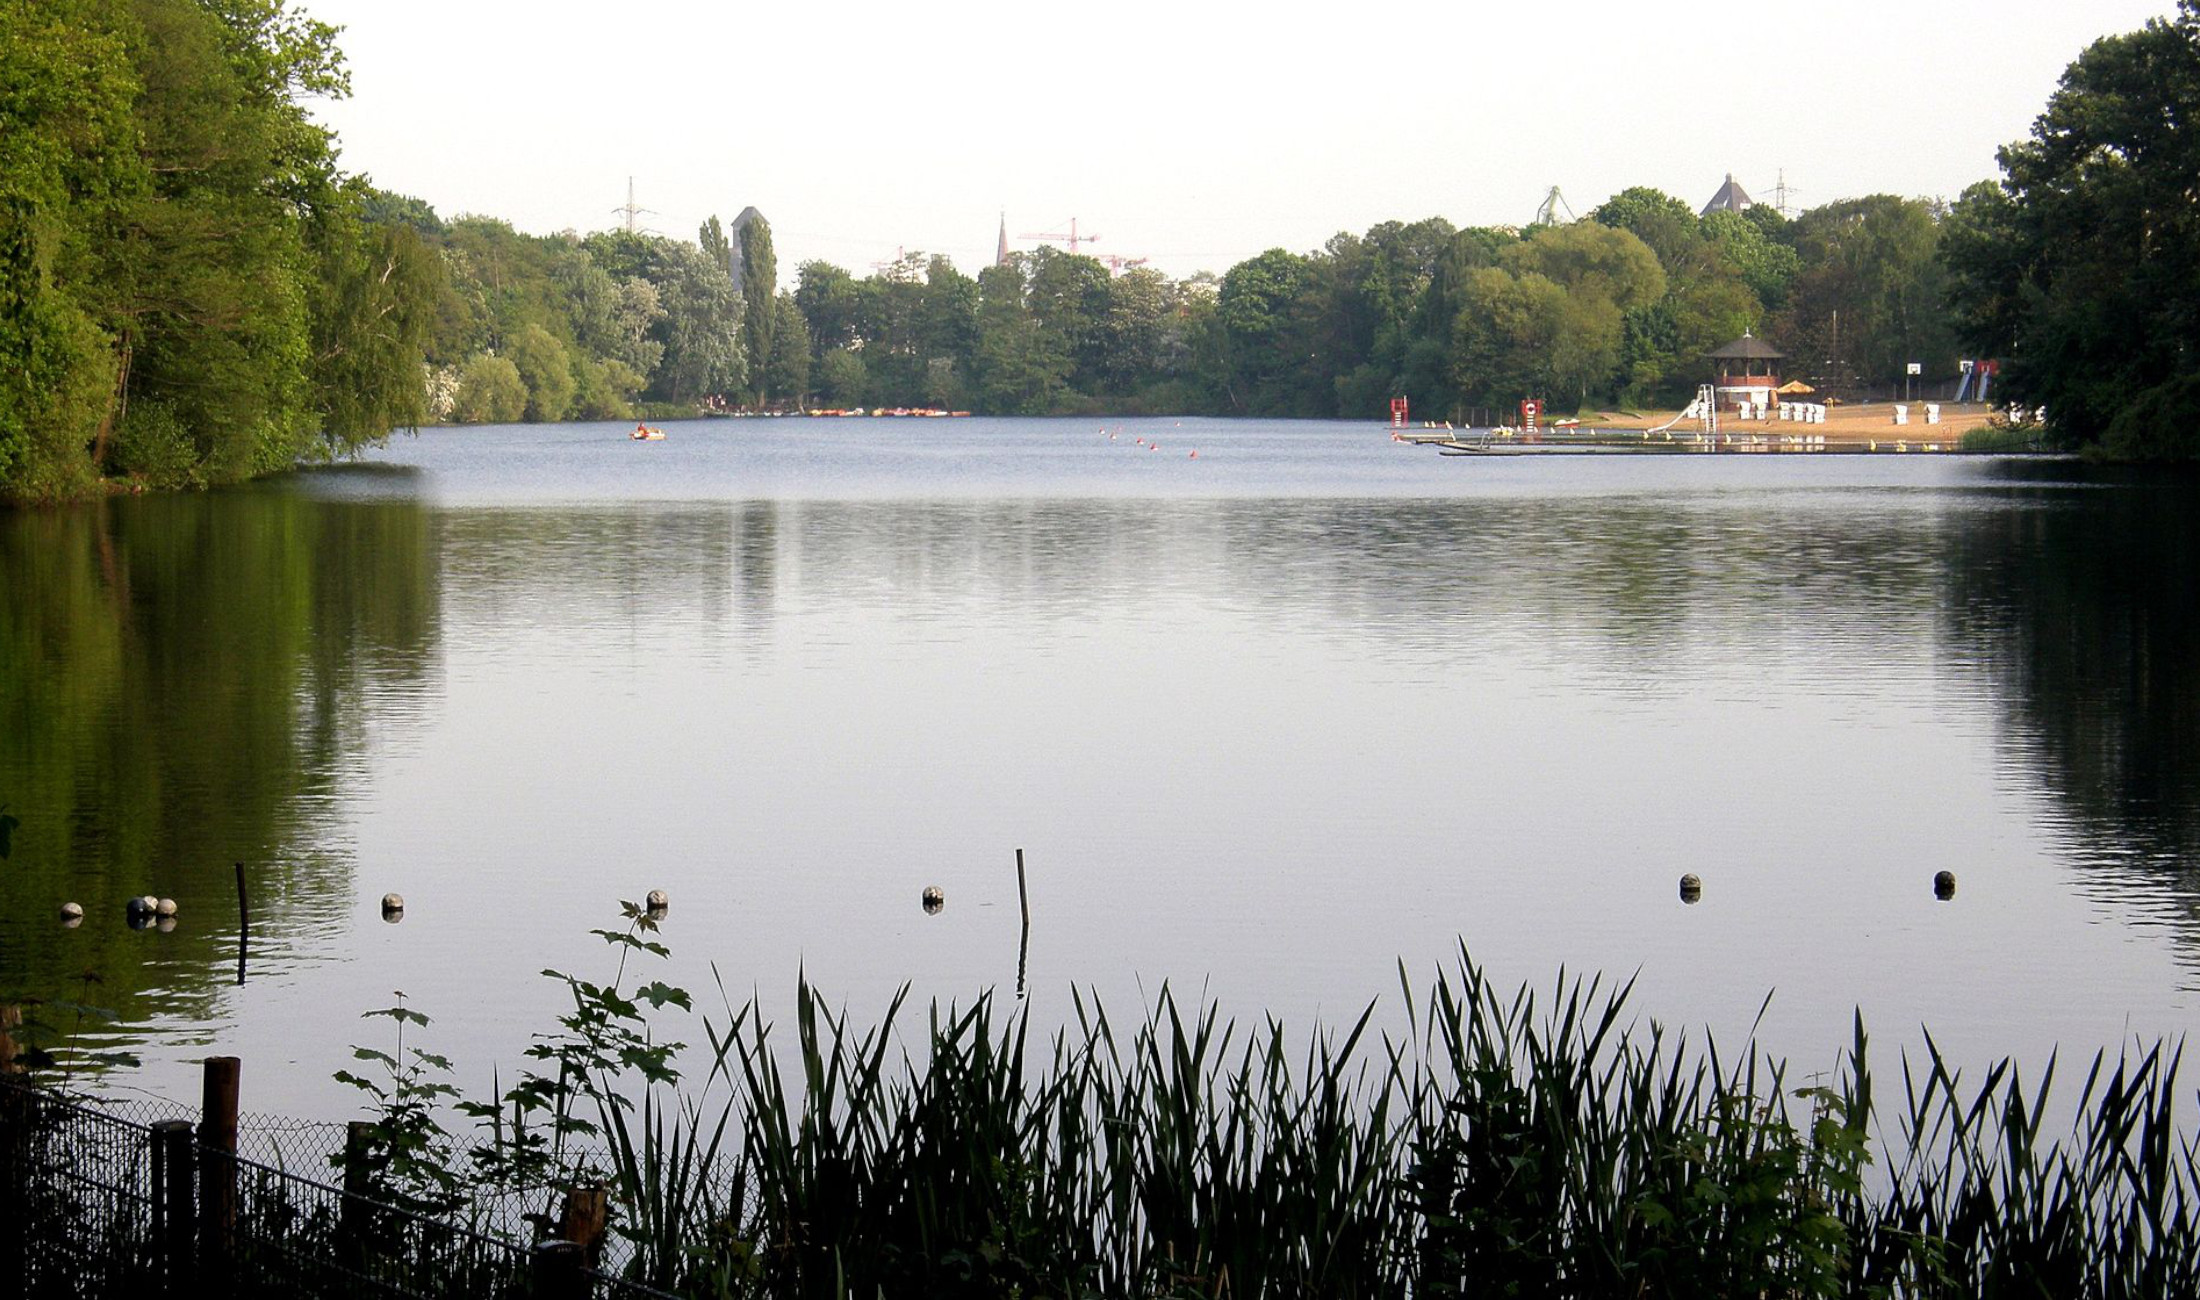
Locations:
(96, 1203)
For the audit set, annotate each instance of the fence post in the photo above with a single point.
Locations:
(175, 1208)
(16, 1113)
(218, 1166)
(587, 1214)
(355, 1221)
(558, 1270)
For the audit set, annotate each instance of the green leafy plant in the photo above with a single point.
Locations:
(407, 1153)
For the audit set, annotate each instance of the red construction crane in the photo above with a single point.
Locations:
(1073, 239)
(1119, 264)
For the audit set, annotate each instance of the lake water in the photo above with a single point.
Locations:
(1267, 721)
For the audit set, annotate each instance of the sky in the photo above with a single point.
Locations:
(1193, 134)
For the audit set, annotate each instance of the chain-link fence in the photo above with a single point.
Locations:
(94, 1203)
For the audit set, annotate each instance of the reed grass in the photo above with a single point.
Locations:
(1516, 1145)
(1529, 1144)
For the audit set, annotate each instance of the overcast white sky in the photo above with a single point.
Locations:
(1192, 133)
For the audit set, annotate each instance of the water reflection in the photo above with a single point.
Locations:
(2079, 602)
(1525, 712)
(182, 686)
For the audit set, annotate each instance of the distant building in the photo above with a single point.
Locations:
(749, 217)
(1730, 198)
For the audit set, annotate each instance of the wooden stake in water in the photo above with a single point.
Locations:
(244, 923)
(1023, 897)
(1023, 946)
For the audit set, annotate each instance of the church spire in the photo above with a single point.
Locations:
(1000, 257)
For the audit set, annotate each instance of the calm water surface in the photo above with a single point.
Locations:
(1268, 722)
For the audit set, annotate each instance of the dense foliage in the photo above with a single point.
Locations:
(2082, 265)
(189, 291)
(1620, 308)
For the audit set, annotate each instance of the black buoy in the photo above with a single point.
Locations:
(934, 899)
(1691, 887)
(1944, 885)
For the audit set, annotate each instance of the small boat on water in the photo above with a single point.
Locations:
(647, 433)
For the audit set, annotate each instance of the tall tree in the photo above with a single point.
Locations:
(759, 296)
(2082, 266)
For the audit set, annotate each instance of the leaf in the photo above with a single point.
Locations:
(657, 993)
(402, 1014)
(370, 1054)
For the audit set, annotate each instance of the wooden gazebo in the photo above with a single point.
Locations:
(1746, 370)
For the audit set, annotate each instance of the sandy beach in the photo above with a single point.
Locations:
(1857, 425)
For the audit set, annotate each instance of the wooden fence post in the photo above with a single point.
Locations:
(218, 1165)
(587, 1214)
(175, 1206)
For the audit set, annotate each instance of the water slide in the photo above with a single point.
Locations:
(1692, 411)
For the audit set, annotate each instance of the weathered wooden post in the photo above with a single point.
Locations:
(1023, 945)
(175, 1205)
(560, 1266)
(218, 1166)
(587, 1215)
(244, 925)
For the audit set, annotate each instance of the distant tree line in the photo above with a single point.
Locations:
(1619, 308)
(192, 292)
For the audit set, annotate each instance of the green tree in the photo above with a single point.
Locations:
(174, 233)
(1020, 368)
(68, 157)
(490, 391)
(830, 303)
(843, 378)
(2082, 266)
(759, 297)
(1872, 294)
(377, 287)
(1263, 318)
(546, 370)
(790, 359)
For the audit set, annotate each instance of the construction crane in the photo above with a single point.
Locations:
(1073, 239)
(630, 211)
(1547, 214)
(1117, 264)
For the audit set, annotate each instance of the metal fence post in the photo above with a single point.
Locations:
(218, 1166)
(175, 1204)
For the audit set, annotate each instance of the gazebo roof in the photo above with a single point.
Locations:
(1747, 348)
